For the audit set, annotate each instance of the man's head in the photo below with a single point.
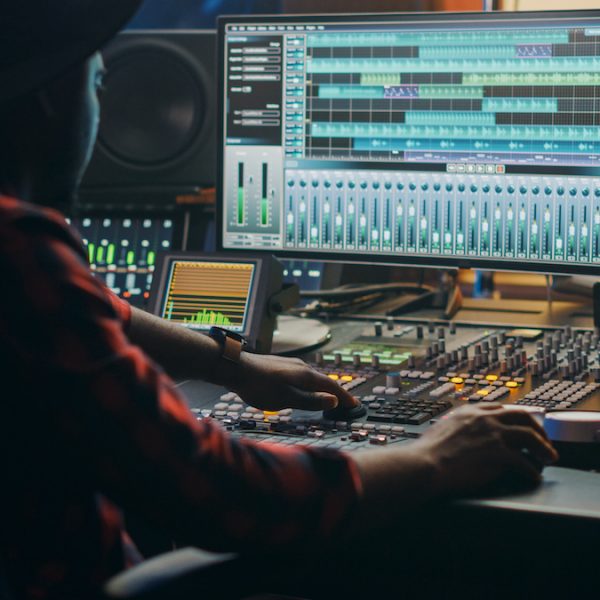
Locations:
(49, 108)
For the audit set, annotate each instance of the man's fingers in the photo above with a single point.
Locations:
(517, 416)
(519, 438)
(304, 400)
(520, 465)
(313, 381)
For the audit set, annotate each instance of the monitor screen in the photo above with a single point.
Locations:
(122, 250)
(200, 294)
(459, 140)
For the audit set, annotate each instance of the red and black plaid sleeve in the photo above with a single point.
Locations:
(119, 426)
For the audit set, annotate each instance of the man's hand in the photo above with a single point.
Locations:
(460, 455)
(274, 383)
(475, 445)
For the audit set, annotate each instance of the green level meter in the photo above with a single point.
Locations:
(130, 257)
(110, 254)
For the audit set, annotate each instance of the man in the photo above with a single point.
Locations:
(90, 424)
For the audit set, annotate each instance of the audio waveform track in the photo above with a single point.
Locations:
(530, 97)
(202, 294)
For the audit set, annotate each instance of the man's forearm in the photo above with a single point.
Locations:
(183, 353)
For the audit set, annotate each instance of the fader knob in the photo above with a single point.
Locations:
(356, 360)
(452, 328)
(419, 332)
(390, 323)
(375, 361)
(464, 352)
(430, 327)
(378, 328)
(441, 333)
(442, 345)
(337, 359)
(392, 379)
(411, 362)
(319, 359)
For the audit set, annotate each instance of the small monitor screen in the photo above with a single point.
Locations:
(435, 139)
(200, 294)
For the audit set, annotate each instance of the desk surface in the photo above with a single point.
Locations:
(563, 492)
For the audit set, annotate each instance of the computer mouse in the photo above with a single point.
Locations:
(345, 413)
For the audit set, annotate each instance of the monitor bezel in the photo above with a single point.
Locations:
(433, 262)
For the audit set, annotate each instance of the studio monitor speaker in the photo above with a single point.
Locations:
(158, 123)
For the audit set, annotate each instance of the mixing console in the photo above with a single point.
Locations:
(408, 375)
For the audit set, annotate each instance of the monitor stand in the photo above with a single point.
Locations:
(295, 335)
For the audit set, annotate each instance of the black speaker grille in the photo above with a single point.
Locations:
(153, 108)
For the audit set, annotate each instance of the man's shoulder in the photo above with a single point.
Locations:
(18, 217)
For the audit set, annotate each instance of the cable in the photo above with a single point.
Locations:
(350, 291)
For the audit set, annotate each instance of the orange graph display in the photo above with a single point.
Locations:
(202, 294)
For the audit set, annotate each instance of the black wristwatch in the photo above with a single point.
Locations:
(231, 343)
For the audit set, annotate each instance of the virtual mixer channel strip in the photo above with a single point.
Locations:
(440, 367)
(534, 218)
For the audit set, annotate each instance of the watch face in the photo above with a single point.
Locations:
(220, 334)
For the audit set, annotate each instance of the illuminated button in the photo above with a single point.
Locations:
(457, 380)
(482, 392)
(270, 413)
(346, 377)
(491, 377)
(333, 376)
(511, 384)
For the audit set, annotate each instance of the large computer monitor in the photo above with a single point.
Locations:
(443, 139)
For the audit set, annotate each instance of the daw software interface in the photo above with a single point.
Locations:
(443, 139)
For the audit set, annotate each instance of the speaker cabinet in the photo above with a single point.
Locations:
(158, 126)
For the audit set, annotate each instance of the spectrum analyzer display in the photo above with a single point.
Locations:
(450, 137)
(202, 294)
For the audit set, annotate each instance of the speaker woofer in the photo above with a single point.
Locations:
(158, 127)
(148, 120)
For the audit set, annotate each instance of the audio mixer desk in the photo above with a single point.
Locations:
(408, 374)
